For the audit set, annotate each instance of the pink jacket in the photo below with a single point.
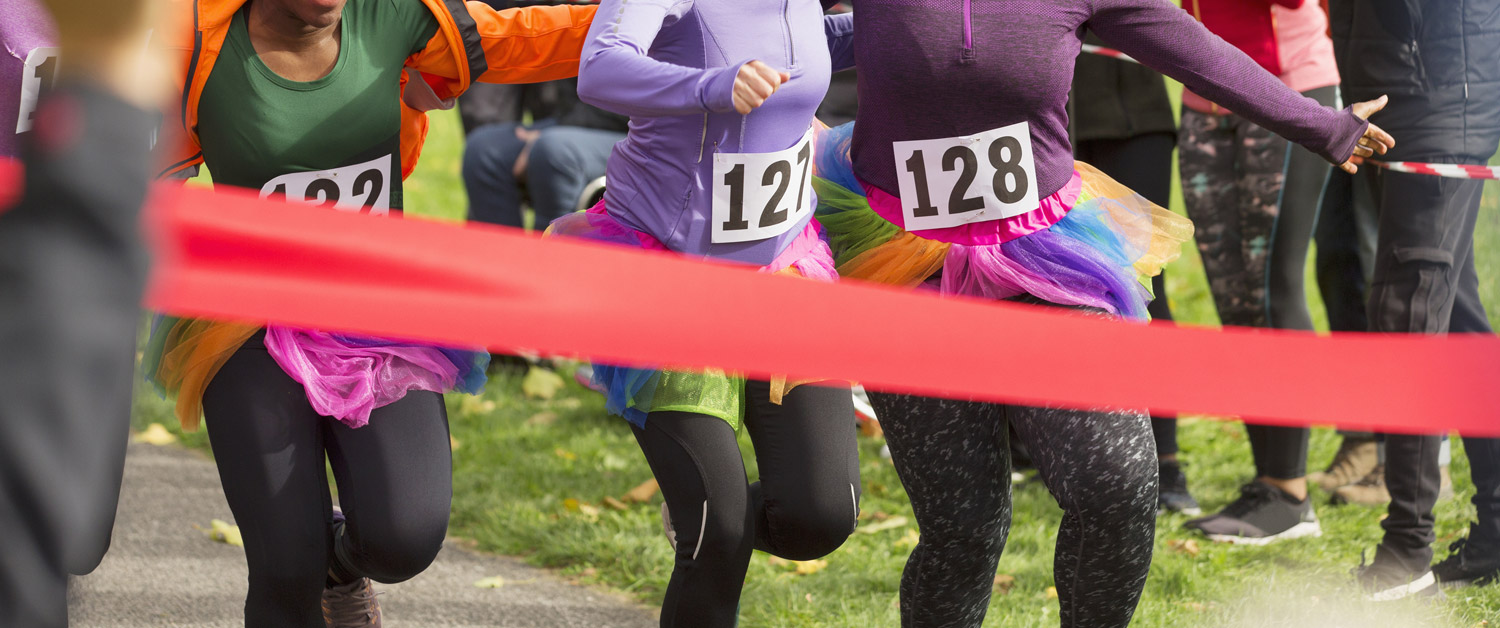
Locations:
(1289, 38)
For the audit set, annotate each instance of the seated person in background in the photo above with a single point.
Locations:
(554, 158)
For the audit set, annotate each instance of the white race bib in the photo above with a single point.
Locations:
(761, 195)
(40, 72)
(361, 187)
(961, 180)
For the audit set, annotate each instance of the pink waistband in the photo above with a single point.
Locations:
(1051, 210)
(807, 243)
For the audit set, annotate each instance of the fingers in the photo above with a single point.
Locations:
(754, 83)
(1368, 108)
(1379, 138)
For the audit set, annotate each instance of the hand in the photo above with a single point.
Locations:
(755, 83)
(105, 43)
(1374, 141)
(529, 138)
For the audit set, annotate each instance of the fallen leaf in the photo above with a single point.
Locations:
(225, 532)
(568, 403)
(1189, 547)
(588, 510)
(893, 522)
(808, 597)
(1004, 583)
(880, 515)
(155, 434)
(493, 582)
(453, 443)
(565, 454)
(809, 567)
(910, 539)
(642, 493)
(615, 503)
(571, 505)
(589, 572)
(777, 561)
(1051, 593)
(1195, 606)
(475, 406)
(871, 429)
(541, 383)
(542, 418)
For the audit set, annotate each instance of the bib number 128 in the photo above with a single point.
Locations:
(761, 195)
(961, 180)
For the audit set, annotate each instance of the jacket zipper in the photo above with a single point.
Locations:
(786, 23)
(968, 53)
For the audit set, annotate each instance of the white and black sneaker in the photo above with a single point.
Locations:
(1263, 514)
(1387, 580)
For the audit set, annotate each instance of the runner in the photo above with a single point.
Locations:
(957, 176)
(717, 164)
(303, 99)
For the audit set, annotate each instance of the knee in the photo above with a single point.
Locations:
(1123, 490)
(814, 530)
(721, 535)
(395, 551)
(489, 155)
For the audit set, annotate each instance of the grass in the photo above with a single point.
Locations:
(521, 463)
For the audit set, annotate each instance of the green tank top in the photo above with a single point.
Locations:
(332, 142)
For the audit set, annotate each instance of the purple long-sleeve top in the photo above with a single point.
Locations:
(670, 65)
(933, 69)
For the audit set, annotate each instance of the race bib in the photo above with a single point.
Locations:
(40, 73)
(961, 180)
(361, 187)
(761, 195)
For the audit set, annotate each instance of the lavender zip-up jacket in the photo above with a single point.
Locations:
(934, 69)
(670, 65)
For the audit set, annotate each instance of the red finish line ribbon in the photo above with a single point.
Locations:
(232, 256)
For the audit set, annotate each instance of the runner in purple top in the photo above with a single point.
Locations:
(958, 176)
(718, 163)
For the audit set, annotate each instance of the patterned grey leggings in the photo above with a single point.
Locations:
(954, 459)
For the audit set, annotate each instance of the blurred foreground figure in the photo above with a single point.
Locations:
(71, 274)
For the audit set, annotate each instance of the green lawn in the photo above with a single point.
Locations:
(520, 463)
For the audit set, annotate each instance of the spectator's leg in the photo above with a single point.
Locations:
(490, 154)
(563, 161)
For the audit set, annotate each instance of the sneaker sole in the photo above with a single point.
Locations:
(1301, 530)
(1420, 586)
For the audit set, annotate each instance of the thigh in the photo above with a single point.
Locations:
(1090, 459)
(268, 446)
(563, 161)
(696, 460)
(1261, 162)
(945, 447)
(492, 150)
(1206, 159)
(806, 447)
(1426, 228)
(395, 474)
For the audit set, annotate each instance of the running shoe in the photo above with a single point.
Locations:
(353, 604)
(1356, 458)
(1263, 514)
(666, 526)
(1469, 564)
(1388, 580)
(862, 408)
(1173, 495)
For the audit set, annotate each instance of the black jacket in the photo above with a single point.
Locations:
(1116, 100)
(1438, 60)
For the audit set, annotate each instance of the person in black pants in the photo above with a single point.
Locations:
(1442, 109)
(1123, 125)
(72, 269)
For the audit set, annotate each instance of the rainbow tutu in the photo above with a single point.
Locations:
(1093, 243)
(346, 377)
(633, 392)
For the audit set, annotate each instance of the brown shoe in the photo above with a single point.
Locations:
(1368, 491)
(1355, 460)
(351, 605)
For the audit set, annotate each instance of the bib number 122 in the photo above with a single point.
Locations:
(753, 193)
(961, 180)
(360, 187)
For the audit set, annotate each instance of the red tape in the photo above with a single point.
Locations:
(230, 255)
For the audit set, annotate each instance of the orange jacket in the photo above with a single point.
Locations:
(474, 42)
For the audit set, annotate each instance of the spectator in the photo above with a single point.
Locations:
(1254, 199)
(1435, 61)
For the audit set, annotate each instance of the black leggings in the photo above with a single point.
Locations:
(954, 460)
(804, 506)
(394, 478)
(1143, 163)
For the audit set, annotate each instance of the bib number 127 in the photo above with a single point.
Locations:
(761, 195)
(961, 180)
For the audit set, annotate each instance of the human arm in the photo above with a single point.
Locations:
(522, 45)
(840, 31)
